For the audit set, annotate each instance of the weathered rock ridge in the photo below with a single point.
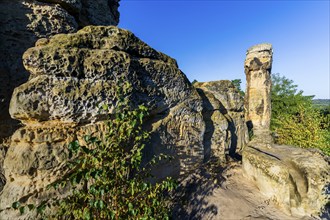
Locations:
(24, 21)
(295, 178)
(71, 75)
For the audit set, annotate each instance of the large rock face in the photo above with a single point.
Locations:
(258, 64)
(71, 75)
(226, 132)
(24, 21)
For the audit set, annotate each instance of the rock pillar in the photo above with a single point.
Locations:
(257, 67)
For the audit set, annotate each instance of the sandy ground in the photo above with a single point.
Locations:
(217, 193)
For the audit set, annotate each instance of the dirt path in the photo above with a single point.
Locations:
(226, 195)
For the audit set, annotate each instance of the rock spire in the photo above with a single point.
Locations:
(258, 64)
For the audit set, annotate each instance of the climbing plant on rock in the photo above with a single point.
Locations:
(106, 176)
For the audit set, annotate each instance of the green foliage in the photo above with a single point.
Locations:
(323, 105)
(106, 176)
(294, 119)
(237, 84)
(307, 128)
(286, 100)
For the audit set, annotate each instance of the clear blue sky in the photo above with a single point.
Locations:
(209, 39)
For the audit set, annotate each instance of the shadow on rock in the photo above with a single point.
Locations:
(190, 199)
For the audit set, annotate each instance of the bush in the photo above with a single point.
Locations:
(307, 128)
(294, 119)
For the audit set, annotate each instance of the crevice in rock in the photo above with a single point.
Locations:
(264, 152)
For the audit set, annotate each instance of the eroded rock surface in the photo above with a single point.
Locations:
(223, 111)
(298, 179)
(24, 21)
(71, 76)
(258, 64)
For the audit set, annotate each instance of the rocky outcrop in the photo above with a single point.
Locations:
(24, 21)
(297, 179)
(258, 64)
(71, 76)
(223, 112)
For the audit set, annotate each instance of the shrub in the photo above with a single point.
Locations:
(294, 119)
(106, 176)
(304, 129)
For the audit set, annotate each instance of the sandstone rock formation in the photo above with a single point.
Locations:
(24, 21)
(226, 132)
(297, 179)
(71, 75)
(258, 64)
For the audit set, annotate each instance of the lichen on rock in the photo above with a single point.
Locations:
(71, 76)
(24, 22)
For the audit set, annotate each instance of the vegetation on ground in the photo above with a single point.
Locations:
(106, 176)
(295, 120)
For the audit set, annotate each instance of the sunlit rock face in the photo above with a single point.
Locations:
(258, 64)
(298, 179)
(23, 22)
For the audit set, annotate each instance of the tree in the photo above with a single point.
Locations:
(194, 81)
(237, 84)
(294, 120)
(285, 97)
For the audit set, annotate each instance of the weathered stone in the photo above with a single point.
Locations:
(298, 179)
(24, 21)
(71, 76)
(223, 113)
(258, 64)
(37, 157)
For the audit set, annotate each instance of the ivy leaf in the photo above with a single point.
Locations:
(22, 210)
(16, 205)
(31, 207)
(101, 204)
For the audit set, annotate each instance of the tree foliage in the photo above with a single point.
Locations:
(237, 84)
(286, 99)
(294, 120)
(106, 176)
